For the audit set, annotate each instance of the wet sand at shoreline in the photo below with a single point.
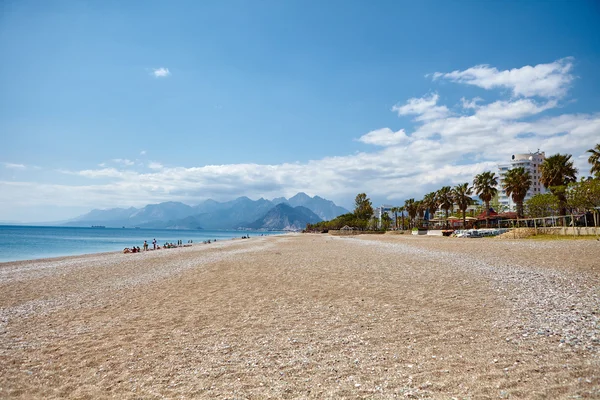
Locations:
(307, 316)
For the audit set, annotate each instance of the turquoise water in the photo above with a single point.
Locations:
(31, 242)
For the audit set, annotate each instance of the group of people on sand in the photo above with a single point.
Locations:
(156, 246)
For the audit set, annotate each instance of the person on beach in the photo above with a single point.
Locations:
(145, 245)
(154, 244)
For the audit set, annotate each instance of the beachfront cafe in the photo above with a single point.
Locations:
(484, 219)
(453, 222)
(493, 219)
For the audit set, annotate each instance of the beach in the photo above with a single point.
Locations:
(307, 316)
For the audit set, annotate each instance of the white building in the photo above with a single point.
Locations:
(383, 209)
(531, 162)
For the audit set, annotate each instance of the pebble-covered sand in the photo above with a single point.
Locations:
(307, 316)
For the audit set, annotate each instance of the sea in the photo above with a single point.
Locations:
(34, 242)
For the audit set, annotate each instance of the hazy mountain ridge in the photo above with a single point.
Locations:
(209, 214)
(190, 222)
(111, 214)
(285, 217)
(325, 209)
(236, 215)
(168, 210)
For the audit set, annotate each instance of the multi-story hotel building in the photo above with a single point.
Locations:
(531, 162)
(383, 209)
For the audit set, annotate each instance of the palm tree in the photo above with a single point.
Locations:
(462, 197)
(485, 187)
(557, 172)
(430, 203)
(445, 200)
(409, 206)
(401, 211)
(386, 220)
(395, 211)
(420, 211)
(516, 183)
(595, 161)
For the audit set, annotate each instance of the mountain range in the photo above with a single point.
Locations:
(242, 213)
(284, 217)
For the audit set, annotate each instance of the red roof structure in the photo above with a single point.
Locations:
(483, 216)
(494, 215)
(508, 215)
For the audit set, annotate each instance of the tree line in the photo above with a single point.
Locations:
(558, 175)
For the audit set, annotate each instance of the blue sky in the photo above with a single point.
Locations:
(107, 104)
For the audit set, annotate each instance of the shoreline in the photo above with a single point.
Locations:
(311, 316)
(53, 258)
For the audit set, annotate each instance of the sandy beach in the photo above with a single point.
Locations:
(307, 316)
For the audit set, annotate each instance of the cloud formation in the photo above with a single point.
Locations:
(545, 80)
(155, 165)
(13, 166)
(442, 148)
(425, 108)
(123, 161)
(384, 137)
(161, 72)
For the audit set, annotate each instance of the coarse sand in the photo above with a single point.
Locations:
(307, 316)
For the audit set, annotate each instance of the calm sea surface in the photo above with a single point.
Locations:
(31, 242)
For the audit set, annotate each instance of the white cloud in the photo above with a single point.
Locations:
(161, 72)
(14, 166)
(545, 80)
(102, 173)
(155, 165)
(143, 153)
(123, 161)
(425, 108)
(512, 109)
(384, 137)
(470, 103)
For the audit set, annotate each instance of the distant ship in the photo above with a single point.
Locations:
(98, 226)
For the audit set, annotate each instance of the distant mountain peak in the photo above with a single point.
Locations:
(285, 217)
(211, 214)
(301, 195)
(278, 200)
(325, 209)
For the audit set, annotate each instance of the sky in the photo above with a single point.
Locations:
(116, 104)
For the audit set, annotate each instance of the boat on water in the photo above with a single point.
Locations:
(98, 226)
